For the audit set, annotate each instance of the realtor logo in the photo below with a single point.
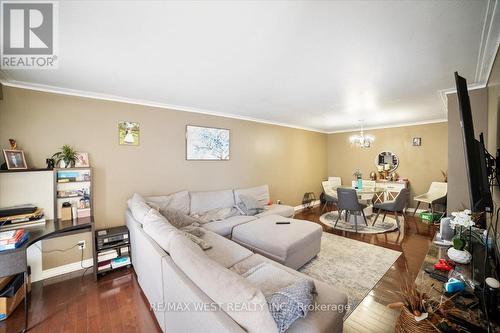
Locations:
(28, 35)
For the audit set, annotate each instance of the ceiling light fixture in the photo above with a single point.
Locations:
(362, 140)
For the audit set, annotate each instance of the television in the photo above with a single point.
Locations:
(475, 154)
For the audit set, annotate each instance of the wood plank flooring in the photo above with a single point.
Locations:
(116, 303)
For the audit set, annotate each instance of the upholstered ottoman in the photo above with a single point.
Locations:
(292, 244)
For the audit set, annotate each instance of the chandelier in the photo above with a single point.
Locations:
(362, 140)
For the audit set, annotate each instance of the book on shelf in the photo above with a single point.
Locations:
(107, 255)
(104, 265)
(35, 215)
(120, 261)
(27, 224)
(12, 239)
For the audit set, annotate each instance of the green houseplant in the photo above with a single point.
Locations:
(65, 158)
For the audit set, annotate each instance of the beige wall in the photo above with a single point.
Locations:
(291, 161)
(458, 190)
(493, 119)
(421, 165)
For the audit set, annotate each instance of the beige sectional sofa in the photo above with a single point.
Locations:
(191, 290)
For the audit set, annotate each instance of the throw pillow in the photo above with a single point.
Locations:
(291, 303)
(250, 205)
(178, 219)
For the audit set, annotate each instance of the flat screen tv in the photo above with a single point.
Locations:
(475, 154)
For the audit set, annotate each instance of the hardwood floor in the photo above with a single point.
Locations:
(414, 239)
(116, 304)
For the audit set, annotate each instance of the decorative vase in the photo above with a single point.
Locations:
(406, 323)
(360, 183)
(460, 256)
(62, 164)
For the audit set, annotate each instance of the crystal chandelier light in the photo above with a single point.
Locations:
(362, 140)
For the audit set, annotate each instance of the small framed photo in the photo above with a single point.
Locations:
(417, 141)
(128, 133)
(15, 159)
(82, 160)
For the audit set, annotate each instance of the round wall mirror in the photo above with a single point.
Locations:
(386, 161)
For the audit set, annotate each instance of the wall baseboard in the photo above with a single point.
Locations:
(65, 269)
(301, 207)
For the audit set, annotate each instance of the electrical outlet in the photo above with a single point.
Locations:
(81, 244)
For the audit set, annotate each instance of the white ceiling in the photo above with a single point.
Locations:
(317, 65)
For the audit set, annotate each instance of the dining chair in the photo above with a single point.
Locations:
(348, 202)
(335, 181)
(436, 195)
(396, 206)
(329, 195)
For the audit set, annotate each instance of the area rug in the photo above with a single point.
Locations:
(351, 266)
(389, 223)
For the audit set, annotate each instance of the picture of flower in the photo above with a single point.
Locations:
(206, 143)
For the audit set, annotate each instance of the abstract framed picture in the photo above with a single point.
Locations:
(417, 141)
(207, 143)
(128, 133)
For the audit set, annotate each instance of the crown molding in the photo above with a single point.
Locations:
(415, 123)
(120, 99)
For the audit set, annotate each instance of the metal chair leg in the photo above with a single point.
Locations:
(376, 217)
(383, 218)
(364, 217)
(418, 204)
(323, 208)
(338, 218)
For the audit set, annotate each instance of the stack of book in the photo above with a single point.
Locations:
(20, 216)
(104, 259)
(12, 239)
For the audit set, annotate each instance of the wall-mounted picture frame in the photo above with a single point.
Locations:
(82, 160)
(207, 143)
(15, 159)
(417, 141)
(128, 133)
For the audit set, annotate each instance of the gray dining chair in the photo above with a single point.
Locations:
(329, 195)
(396, 206)
(348, 202)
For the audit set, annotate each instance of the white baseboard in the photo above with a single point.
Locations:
(300, 207)
(64, 269)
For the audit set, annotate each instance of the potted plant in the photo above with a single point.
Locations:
(419, 312)
(461, 223)
(359, 178)
(66, 158)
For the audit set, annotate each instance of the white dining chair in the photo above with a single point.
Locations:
(436, 195)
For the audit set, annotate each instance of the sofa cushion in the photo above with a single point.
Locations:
(177, 201)
(157, 227)
(334, 301)
(261, 193)
(282, 210)
(138, 207)
(208, 200)
(225, 227)
(231, 291)
(224, 251)
(250, 205)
